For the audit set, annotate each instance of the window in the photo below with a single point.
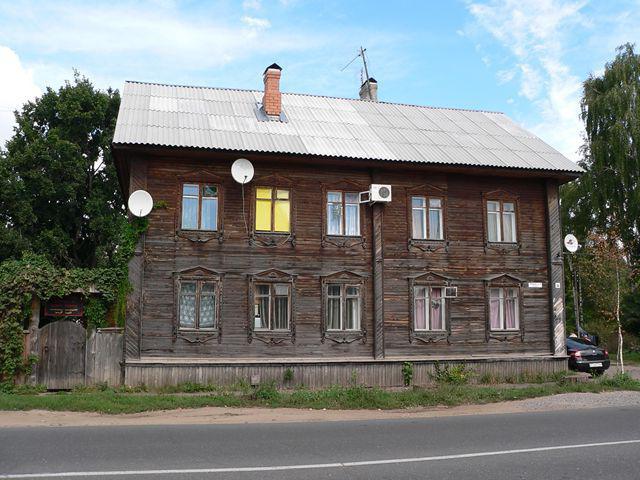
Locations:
(504, 308)
(501, 221)
(273, 210)
(272, 306)
(343, 307)
(427, 221)
(429, 308)
(199, 207)
(197, 305)
(343, 213)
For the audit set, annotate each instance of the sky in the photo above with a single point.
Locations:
(526, 58)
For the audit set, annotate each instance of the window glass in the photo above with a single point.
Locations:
(281, 314)
(261, 307)
(190, 207)
(493, 222)
(282, 214)
(419, 217)
(263, 210)
(352, 308)
(435, 219)
(420, 312)
(437, 309)
(503, 308)
(509, 222)
(283, 195)
(495, 308)
(207, 306)
(333, 307)
(209, 220)
(352, 214)
(343, 307)
(262, 192)
(334, 213)
(188, 305)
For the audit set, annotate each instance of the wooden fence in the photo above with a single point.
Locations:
(103, 361)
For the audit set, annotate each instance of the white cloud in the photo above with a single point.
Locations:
(256, 22)
(535, 33)
(16, 87)
(251, 5)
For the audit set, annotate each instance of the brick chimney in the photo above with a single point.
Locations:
(369, 90)
(272, 99)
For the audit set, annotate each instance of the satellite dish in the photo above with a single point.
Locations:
(140, 203)
(571, 243)
(242, 171)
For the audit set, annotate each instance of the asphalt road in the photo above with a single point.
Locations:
(550, 445)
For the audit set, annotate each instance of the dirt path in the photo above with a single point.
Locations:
(217, 415)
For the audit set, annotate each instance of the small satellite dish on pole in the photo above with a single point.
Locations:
(242, 171)
(140, 203)
(571, 243)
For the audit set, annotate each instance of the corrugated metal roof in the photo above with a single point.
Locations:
(214, 118)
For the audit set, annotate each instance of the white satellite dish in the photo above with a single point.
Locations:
(571, 243)
(242, 171)
(140, 203)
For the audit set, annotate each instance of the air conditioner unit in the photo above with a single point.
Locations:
(376, 193)
(450, 292)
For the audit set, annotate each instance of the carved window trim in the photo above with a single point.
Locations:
(199, 177)
(272, 239)
(342, 241)
(430, 280)
(271, 337)
(504, 281)
(501, 247)
(424, 244)
(343, 278)
(197, 335)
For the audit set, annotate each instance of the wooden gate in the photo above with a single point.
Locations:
(61, 355)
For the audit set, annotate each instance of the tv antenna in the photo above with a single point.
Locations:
(362, 55)
(140, 203)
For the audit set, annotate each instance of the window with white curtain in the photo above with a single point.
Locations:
(343, 307)
(426, 218)
(504, 308)
(501, 221)
(197, 305)
(343, 213)
(428, 308)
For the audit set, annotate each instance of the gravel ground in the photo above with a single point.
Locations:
(581, 401)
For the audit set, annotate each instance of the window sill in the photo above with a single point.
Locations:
(343, 241)
(427, 245)
(201, 236)
(506, 335)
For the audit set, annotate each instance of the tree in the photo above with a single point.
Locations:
(605, 279)
(59, 193)
(607, 197)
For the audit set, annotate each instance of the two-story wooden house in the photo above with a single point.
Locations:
(293, 271)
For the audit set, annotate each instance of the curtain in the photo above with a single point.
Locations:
(420, 312)
(352, 321)
(494, 308)
(188, 305)
(190, 213)
(334, 213)
(333, 313)
(493, 226)
(352, 220)
(437, 309)
(261, 312)
(509, 220)
(207, 306)
(511, 309)
(281, 314)
(435, 224)
(209, 214)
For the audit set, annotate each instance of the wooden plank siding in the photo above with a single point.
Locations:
(466, 261)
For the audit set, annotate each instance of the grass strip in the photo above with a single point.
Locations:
(114, 401)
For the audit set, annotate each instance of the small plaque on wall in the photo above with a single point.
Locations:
(535, 284)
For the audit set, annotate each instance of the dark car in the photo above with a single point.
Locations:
(584, 356)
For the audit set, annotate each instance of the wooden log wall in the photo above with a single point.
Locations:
(466, 260)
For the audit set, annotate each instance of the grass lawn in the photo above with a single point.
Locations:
(114, 401)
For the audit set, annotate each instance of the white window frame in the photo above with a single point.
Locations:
(271, 296)
(200, 199)
(502, 299)
(343, 306)
(501, 216)
(425, 211)
(343, 213)
(198, 297)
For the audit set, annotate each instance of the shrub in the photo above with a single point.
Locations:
(407, 373)
(266, 391)
(288, 375)
(458, 374)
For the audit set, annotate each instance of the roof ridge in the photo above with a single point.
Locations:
(432, 107)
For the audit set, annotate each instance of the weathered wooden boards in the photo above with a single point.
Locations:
(103, 364)
(61, 355)
(464, 257)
